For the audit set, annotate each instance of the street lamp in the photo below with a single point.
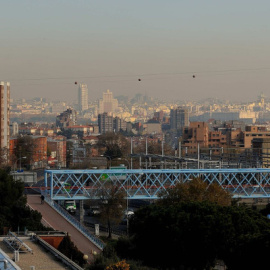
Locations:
(20, 163)
(109, 159)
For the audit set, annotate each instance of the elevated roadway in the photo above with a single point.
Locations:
(56, 221)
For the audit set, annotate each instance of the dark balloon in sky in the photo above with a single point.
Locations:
(139, 80)
(76, 83)
(193, 76)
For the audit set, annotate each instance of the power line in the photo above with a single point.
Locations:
(141, 76)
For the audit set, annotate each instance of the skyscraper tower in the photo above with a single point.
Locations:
(83, 97)
(179, 119)
(4, 114)
(108, 103)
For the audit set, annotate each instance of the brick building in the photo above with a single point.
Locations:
(57, 148)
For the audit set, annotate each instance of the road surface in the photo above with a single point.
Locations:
(57, 222)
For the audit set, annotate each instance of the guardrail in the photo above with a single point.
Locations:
(105, 229)
(75, 223)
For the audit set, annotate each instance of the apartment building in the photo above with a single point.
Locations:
(217, 140)
(67, 118)
(108, 123)
(196, 134)
(30, 151)
(57, 148)
(252, 132)
(4, 114)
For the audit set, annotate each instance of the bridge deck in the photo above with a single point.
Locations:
(57, 222)
(147, 184)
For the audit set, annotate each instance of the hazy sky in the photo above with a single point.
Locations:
(48, 45)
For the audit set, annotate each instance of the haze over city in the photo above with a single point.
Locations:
(48, 45)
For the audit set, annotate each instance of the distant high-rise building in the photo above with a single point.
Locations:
(105, 123)
(179, 119)
(67, 118)
(108, 104)
(83, 97)
(119, 124)
(109, 123)
(15, 129)
(4, 114)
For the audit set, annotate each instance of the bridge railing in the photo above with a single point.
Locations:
(75, 223)
(147, 184)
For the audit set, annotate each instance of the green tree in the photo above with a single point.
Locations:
(68, 248)
(11, 191)
(23, 217)
(193, 235)
(14, 213)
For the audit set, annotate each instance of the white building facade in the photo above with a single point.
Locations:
(83, 97)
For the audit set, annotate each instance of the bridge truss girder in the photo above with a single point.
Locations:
(147, 184)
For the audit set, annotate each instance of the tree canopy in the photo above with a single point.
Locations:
(14, 213)
(24, 150)
(195, 190)
(192, 226)
(68, 248)
(115, 144)
(196, 234)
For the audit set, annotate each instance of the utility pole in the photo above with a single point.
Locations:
(198, 156)
(131, 152)
(146, 152)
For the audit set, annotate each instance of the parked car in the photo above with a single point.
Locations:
(128, 213)
(94, 211)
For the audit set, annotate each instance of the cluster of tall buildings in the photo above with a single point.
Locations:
(107, 104)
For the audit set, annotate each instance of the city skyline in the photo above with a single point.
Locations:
(170, 50)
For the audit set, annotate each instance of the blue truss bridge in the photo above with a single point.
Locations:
(147, 184)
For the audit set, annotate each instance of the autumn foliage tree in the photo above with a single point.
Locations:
(122, 265)
(195, 190)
